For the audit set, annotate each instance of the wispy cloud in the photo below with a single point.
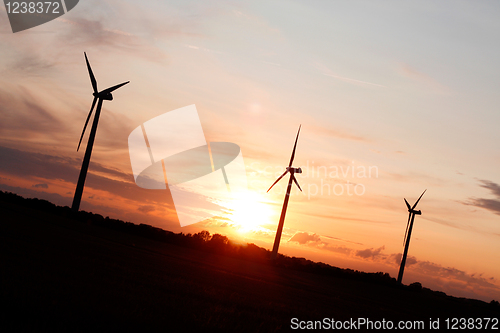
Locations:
(353, 81)
(489, 204)
(345, 218)
(423, 78)
(255, 21)
(271, 63)
(328, 72)
(24, 115)
(336, 133)
(199, 48)
(29, 64)
(411, 177)
(88, 33)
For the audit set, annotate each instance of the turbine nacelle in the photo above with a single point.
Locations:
(106, 96)
(293, 170)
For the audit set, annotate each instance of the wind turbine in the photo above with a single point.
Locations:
(292, 171)
(99, 97)
(409, 227)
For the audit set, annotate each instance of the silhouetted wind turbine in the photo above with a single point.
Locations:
(292, 171)
(103, 95)
(409, 227)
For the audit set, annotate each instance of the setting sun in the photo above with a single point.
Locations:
(249, 212)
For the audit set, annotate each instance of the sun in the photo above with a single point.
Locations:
(248, 211)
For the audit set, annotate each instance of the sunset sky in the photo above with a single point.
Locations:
(405, 94)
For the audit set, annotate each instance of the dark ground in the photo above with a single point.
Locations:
(62, 275)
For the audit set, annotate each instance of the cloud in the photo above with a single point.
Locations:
(395, 258)
(109, 29)
(345, 218)
(199, 48)
(330, 132)
(94, 33)
(29, 193)
(328, 72)
(353, 81)
(493, 187)
(449, 223)
(315, 240)
(339, 249)
(341, 240)
(371, 253)
(304, 238)
(21, 163)
(461, 278)
(448, 279)
(257, 22)
(434, 270)
(489, 204)
(29, 64)
(146, 208)
(24, 115)
(53, 168)
(40, 186)
(423, 78)
(411, 177)
(29, 119)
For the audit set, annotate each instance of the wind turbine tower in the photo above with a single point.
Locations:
(99, 97)
(292, 171)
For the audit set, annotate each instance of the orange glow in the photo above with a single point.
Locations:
(249, 212)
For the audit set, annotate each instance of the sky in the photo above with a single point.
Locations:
(394, 97)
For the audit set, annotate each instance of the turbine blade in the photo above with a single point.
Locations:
(277, 180)
(297, 183)
(408, 205)
(406, 232)
(92, 77)
(113, 88)
(295, 146)
(415, 205)
(86, 122)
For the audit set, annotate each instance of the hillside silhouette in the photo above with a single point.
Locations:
(78, 271)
